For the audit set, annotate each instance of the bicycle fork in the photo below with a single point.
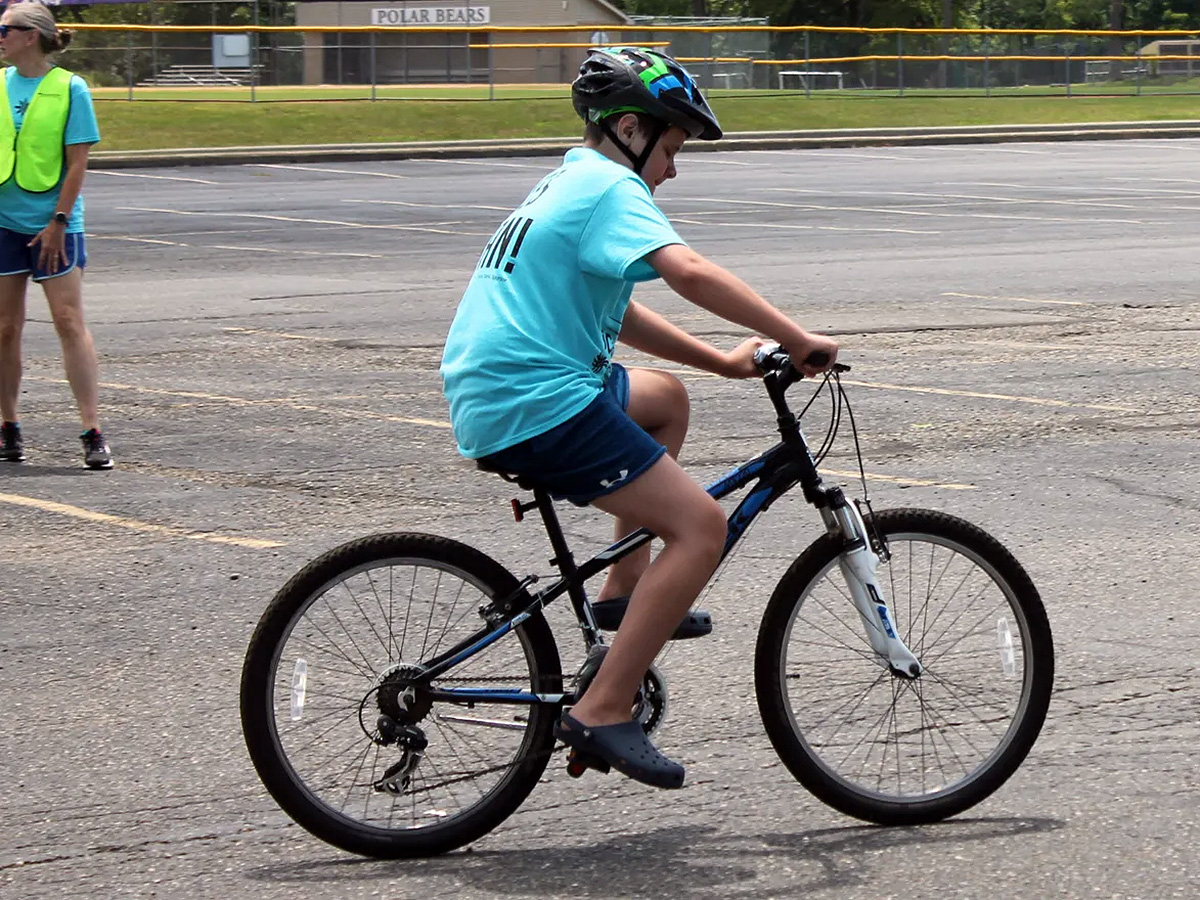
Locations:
(859, 562)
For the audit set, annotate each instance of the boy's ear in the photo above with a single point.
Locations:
(627, 126)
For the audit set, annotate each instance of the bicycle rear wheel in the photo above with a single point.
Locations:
(881, 747)
(341, 738)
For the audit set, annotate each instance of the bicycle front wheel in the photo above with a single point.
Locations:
(345, 737)
(881, 747)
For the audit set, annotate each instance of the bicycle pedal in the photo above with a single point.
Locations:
(578, 763)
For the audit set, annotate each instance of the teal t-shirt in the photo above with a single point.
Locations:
(532, 340)
(29, 213)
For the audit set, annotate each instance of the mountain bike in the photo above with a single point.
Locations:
(399, 693)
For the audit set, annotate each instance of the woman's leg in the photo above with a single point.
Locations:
(65, 296)
(658, 402)
(692, 527)
(12, 322)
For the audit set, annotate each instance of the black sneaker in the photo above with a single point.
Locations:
(96, 454)
(12, 448)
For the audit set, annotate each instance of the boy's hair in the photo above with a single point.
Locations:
(593, 133)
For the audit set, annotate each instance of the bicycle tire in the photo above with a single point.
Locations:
(306, 609)
(810, 750)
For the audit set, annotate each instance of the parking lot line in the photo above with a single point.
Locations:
(78, 512)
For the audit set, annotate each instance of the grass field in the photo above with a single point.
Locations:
(420, 113)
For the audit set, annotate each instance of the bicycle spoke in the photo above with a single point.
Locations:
(334, 747)
(905, 739)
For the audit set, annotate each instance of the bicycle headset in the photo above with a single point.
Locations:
(615, 80)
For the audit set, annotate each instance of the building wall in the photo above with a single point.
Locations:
(443, 56)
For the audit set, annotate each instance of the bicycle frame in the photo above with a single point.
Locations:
(777, 471)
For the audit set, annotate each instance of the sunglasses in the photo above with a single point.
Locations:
(5, 29)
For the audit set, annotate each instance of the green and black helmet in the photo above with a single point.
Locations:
(635, 79)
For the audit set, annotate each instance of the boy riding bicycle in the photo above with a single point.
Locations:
(532, 389)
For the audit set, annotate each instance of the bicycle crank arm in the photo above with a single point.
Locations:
(858, 568)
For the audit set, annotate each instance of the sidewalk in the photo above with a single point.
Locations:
(746, 140)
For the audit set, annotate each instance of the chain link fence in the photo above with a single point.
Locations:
(723, 54)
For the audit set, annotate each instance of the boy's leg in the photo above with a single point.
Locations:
(12, 321)
(658, 402)
(65, 296)
(692, 527)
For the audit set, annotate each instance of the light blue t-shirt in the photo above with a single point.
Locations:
(29, 213)
(532, 340)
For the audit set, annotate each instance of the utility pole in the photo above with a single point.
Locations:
(948, 22)
(1114, 41)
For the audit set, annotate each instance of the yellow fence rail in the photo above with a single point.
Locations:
(380, 59)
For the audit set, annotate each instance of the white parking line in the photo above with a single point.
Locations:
(906, 212)
(432, 227)
(969, 197)
(294, 252)
(143, 175)
(323, 169)
(780, 226)
(414, 205)
(488, 162)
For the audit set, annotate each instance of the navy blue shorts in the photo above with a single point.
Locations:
(593, 453)
(18, 258)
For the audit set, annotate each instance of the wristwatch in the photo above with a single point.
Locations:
(60, 218)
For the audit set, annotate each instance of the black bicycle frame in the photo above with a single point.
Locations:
(778, 470)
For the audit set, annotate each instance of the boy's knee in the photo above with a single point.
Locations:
(711, 529)
(677, 399)
(10, 332)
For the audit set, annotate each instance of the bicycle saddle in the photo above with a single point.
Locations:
(520, 481)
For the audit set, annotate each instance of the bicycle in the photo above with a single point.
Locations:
(900, 700)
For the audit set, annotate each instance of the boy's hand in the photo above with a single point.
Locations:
(740, 360)
(811, 343)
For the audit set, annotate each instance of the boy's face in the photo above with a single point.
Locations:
(661, 165)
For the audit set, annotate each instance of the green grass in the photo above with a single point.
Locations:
(152, 125)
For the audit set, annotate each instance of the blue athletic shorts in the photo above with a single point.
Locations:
(18, 258)
(593, 453)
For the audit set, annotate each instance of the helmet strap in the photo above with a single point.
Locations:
(638, 160)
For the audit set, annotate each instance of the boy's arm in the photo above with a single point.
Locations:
(721, 292)
(645, 330)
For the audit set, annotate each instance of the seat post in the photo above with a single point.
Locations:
(563, 559)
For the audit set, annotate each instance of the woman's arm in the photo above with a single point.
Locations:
(77, 163)
(51, 241)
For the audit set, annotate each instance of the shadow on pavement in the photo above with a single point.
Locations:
(683, 861)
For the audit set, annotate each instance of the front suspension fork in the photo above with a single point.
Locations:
(858, 563)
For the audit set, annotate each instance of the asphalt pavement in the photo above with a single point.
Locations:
(1022, 321)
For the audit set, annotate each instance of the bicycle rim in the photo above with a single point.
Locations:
(342, 662)
(890, 740)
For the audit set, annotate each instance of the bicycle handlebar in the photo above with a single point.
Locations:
(773, 358)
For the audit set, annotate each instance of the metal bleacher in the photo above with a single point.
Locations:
(200, 76)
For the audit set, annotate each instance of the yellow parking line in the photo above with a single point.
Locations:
(1015, 299)
(246, 401)
(896, 479)
(78, 512)
(1039, 401)
(282, 334)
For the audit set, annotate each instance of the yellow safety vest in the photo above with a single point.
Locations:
(36, 153)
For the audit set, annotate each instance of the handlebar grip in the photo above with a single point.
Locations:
(817, 358)
(770, 357)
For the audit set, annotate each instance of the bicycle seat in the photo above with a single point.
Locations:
(520, 481)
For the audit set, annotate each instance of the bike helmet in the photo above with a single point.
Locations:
(614, 80)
